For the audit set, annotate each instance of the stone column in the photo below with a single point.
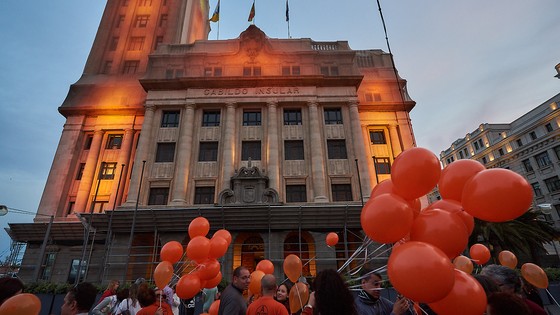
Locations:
(317, 154)
(359, 148)
(273, 166)
(395, 140)
(229, 146)
(124, 157)
(184, 152)
(141, 155)
(89, 172)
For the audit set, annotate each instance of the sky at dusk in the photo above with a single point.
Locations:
(466, 63)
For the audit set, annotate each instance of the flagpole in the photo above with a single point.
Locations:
(288, 18)
(218, 33)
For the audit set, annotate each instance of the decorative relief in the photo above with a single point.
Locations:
(249, 186)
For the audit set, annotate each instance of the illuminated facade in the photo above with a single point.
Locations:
(280, 141)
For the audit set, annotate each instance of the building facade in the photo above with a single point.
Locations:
(279, 141)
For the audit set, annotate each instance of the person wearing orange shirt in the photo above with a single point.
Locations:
(266, 305)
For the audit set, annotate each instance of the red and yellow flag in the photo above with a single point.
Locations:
(252, 13)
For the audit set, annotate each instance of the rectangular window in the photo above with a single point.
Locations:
(211, 118)
(80, 171)
(74, 266)
(552, 184)
(165, 152)
(158, 196)
(377, 137)
(114, 43)
(71, 206)
(48, 267)
(292, 117)
(170, 119)
(293, 150)
(519, 142)
(527, 165)
(204, 195)
(533, 135)
(107, 170)
(163, 20)
(537, 189)
(461, 155)
(251, 150)
(141, 20)
(341, 192)
(251, 118)
(87, 143)
(333, 116)
(159, 40)
(476, 147)
(136, 43)
(213, 71)
(208, 151)
(120, 20)
(217, 71)
(484, 160)
(501, 151)
(296, 193)
(114, 142)
(382, 165)
(293, 70)
(336, 149)
(99, 206)
(107, 67)
(543, 159)
(557, 152)
(145, 3)
(130, 66)
(251, 71)
(548, 127)
(329, 70)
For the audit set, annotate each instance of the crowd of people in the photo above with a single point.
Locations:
(506, 292)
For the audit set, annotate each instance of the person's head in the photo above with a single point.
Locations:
(146, 295)
(79, 299)
(113, 285)
(268, 285)
(241, 277)
(283, 292)
(122, 294)
(503, 303)
(9, 287)
(506, 278)
(133, 292)
(332, 296)
(371, 282)
(160, 294)
(487, 284)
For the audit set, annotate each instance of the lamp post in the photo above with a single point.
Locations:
(546, 209)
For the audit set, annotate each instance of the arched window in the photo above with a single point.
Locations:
(304, 248)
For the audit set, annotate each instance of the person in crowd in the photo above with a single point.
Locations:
(508, 281)
(151, 303)
(370, 302)
(111, 290)
(79, 299)
(531, 292)
(131, 303)
(232, 301)
(266, 303)
(283, 295)
(331, 296)
(9, 287)
(176, 302)
(210, 296)
(503, 303)
(108, 305)
(487, 283)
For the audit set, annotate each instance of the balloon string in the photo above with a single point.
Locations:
(365, 243)
(299, 297)
(555, 302)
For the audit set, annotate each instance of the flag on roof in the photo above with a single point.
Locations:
(287, 11)
(252, 13)
(216, 16)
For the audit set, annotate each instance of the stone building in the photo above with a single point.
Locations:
(279, 141)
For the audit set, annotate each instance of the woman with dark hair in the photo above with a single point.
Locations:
(150, 303)
(283, 294)
(331, 296)
(9, 287)
(109, 305)
(131, 303)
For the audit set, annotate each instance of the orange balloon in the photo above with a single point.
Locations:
(199, 227)
(299, 294)
(479, 253)
(188, 286)
(415, 172)
(420, 271)
(442, 229)
(225, 234)
(416, 206)
(255, 284)
(386, 218)
(208, 269)
(163, 274)
(25, 303)
(218, 247)
(214, 281)
(266, 266)
(534, 275)
(292, 267)
(497, 195)
(456, 208)
(463, 263)
(454, 177)
(198, 248)
(384, 187)
(507, 259)
(332, 239)
(172, 252)
(467, 297)
(214, 307)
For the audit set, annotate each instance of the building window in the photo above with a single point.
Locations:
(141, 20)
(333, 116)
(71, 206)
(80, 171)
(329, 70)
(543, 159)
(370, 97)
(501, 151)
(377, 137)
(87, 143)
(251, 150)
(211, 118)
(114, 43)
(557, 152)
(136, 43)
(107, 67)
(159, 40)
(533, 135)
(537, 189)
(292, 117)
(163, 20)
(476, 147)
(548, 127)
(341, 192)
(204, 195)
(484, 160)
(251, 71)
(461, 155)
(48, 266)
(296, 193)
(120, 20)
(114, 142)
(170, 119)
(290, 70)
(552, 184)
(252, 118)
(208, 151)
(74, 265)
(527, 165)
(130, 66)
(293, 150)
(158, 196)
(336, 149)
(165, 152)
(107, 170)
(145, 3)
(99, 206)
(382, 165)
(213, 71)
(519, 142)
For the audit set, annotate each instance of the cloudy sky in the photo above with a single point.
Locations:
(466, 62)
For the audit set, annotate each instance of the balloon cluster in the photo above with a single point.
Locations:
(202, 251)
(420, 266)
(299, 293)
